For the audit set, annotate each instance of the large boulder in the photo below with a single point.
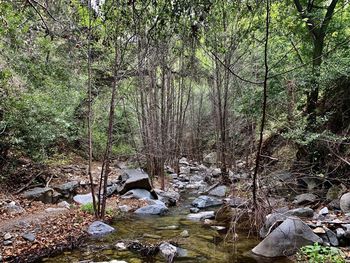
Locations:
(134, 179)
(99, 229)
(153, 209)
(345, 203)
(67, 189)
(286, 239)
(43, 194)
(205, 201)
(170, 198)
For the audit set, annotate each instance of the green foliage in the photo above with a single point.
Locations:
(319, 254)
(87, 208)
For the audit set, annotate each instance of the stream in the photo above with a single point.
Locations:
(204, 244)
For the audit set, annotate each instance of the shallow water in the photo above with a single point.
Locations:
(204, 244)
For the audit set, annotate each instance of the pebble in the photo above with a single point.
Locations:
(29, 237)
(7, 236)
(194, 210)
(185, 233)
(324, 211)
(7, 242)
(218, 228)
(319, 230)
(120, 246)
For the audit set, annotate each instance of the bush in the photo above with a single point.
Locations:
(319, 254)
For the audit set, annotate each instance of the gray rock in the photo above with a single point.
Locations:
(134, 179)
(83, 199)
(340, 232)
(112, 189)
(301, 212)
(210, 158)
(43, 194)
(305, 199)
(67, 188)
(236, 202)
(12, 208)
(170, 198)
(64, 204)
(124, 208)
(7, 243)
(185, 233)
(201, 216)
(286, 239)
(7, 236)
(99, 229)
(219, 191)
(185, 170)
(324, 211)
(271, 220)
(29, 237)
(194, 210)
(216, 172)
(138, 194)
(156, 209)
(55, 210)
(332, 237)
(168, 251)
(345, 203)
(334, 204)
(205, 201)
(183, 161)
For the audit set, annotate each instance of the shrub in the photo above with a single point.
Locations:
(319, 254)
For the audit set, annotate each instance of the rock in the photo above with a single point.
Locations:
(311, 182)
(168, 251)
(332, 237)
(134, 179)
(43, 194)
(201, 216)
(271, 220)
(286, 239)
(121, 246)
(7, 236)
(183, 161)
(301, 212)
(151, 236)
(324, 211)
(170, 198)
(12, 208)
(99, 229)
(235, 177)
(345, 203)
(55, 210)
(7, 243)
(156, 209)
(218, 228)
(219, 191)
(173, 227)
(68, 188)
(112, 189)
(185, 170)
(83, 199)
(305, 199)
(205, 201)
(340, 232)
(210, 158)
(216, 172)
(333, 193)
(138, 194)
(208, 222)
(185, 233)
(64, 204)
(194, 210)
(334, 204)
(29, 237)
(124, 208)
(319, 230)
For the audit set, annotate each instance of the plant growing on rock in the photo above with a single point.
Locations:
(319, 254)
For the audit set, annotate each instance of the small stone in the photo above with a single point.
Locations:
(185, 233)
(319, 230)
(124, 208)
(29, 237)
(208, 222)
(194, 210)
(218, 228)
(120, 246)
(168, 227)
(7, 242)
(324, 211)
(318, 224)
(7, 236)
(151, 236)
(64, 204)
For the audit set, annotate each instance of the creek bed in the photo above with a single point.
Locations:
(204, 244)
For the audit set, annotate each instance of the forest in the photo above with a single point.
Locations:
(175, 131)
